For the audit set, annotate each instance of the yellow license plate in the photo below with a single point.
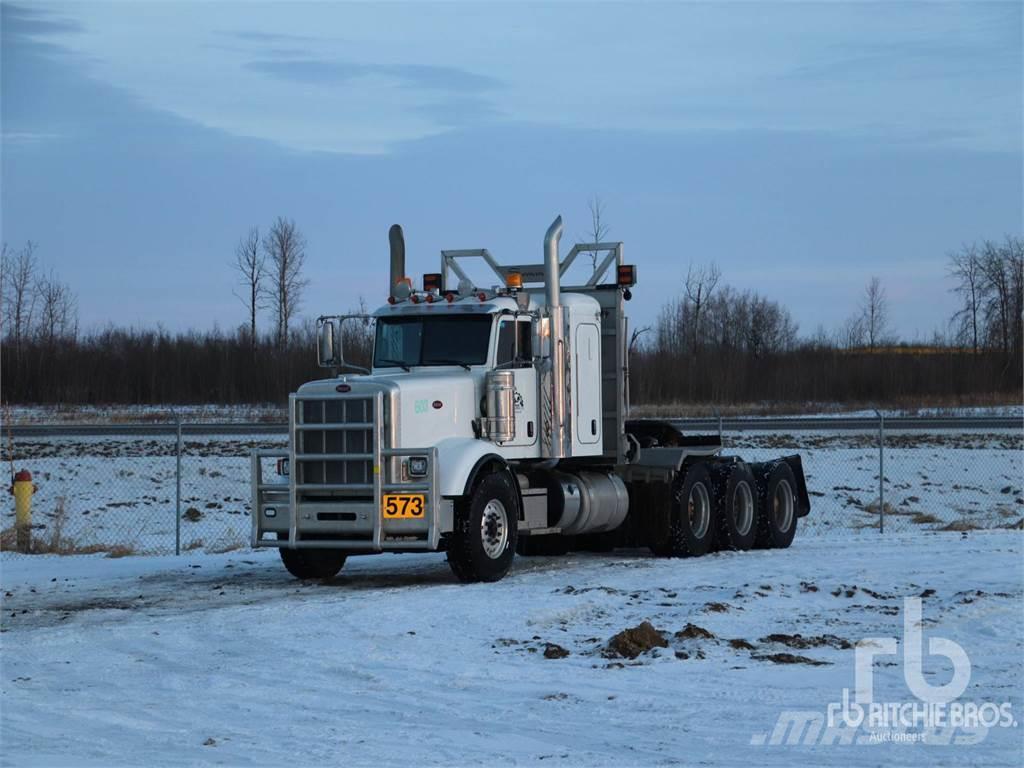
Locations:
(403, 506)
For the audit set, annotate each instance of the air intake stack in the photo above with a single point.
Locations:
(555, 375)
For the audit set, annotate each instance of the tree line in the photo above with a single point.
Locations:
(715, 344)
(710, 343)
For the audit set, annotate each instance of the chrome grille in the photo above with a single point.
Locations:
(340, 430)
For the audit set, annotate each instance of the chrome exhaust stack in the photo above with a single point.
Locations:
(554, 387)
(551, 266)
(396, 240)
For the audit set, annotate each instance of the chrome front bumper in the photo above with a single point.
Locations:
(346, 515)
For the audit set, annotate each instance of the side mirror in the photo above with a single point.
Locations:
(326, 350)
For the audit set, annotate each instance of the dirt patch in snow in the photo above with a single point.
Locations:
(630, 643)
(554, 651)
(693, 632)
(818, 641)
(789, 658)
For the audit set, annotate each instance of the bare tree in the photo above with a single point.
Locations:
(5, 270)
(634, 337)
(700, 285)
(874, 312)
(1014, 255)
(285, 247)
(998, 281)
(58, 310)
(19, 294)
(251, 265)
(598, 226)
(852, 334)
(965, 268)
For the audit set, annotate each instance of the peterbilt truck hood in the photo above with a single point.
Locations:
(430, 404)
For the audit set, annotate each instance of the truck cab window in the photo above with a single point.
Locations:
(507, 332)
(446, 340)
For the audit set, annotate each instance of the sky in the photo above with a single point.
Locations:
(802, 147)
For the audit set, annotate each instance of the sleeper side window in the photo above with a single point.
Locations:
(507, 332)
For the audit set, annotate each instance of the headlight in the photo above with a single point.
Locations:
(418, 466)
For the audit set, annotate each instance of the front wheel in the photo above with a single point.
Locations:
(312, 563)
(483, 543)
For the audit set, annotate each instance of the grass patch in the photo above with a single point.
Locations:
(56, 542)
(960, 525)
(225, 545)
(924, 518)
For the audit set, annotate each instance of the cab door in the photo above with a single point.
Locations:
(515, 351)
(587, 396)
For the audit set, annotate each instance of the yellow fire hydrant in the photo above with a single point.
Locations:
(23, 490)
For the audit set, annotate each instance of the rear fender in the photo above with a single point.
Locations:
(804, 500)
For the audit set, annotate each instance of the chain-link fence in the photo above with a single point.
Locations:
(133, 490)
(933, 477)
(153, 489)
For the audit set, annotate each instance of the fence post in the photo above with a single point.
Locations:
(881, 472)
(177, 492)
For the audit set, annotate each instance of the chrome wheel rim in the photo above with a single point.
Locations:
(698, 510)
(743, 508)
(782, 506)
(494, 529)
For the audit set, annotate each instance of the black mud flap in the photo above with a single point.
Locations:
(804, 500)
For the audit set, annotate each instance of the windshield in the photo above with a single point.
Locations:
(408, 341)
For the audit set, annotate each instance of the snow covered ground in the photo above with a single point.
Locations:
(224, 659)
(121, 490)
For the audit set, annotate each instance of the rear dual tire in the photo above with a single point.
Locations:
(693, 516)
(737, 507)
(777, 504)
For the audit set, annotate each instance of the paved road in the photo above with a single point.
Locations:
(771, 424)
(839, 423)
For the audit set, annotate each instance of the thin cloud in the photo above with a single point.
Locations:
(255, 36)
(324, 72)
(19, 21)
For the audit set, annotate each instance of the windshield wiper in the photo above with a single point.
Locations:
(399, 363)
(439, 361)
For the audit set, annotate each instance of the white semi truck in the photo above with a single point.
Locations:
(494, 421)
